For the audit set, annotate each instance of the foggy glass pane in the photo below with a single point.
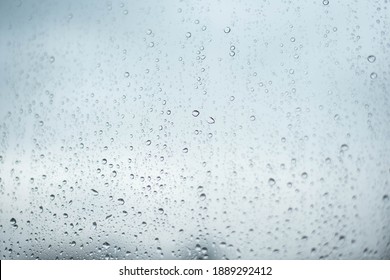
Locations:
(194, 129)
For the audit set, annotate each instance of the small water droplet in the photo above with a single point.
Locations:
(94, 192)
(188, 35)
(52, 59)
(160, 211)
(195, 113)
(227, 29)
(202, 196)
(148, 142)
(371, 58)
(344, 147)
(271, 182)
(211, 120)
(121, 201)
(127, 74)
(304, 175)
(252, 118)
(373, 75)
(185, 150)
(106, 245)
(325, 2)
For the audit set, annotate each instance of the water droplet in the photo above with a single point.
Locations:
(252, 118)
(195, 113)
(13, 221)
(94, 192)
(373, 75)
(304, 175)
(232, 53)
(127, 74)
(271, 182)
(148, 143)
(325, 2)
(371, 58)
(149, 31)
(202, 196)
(106, 245)
(185, 150)
(344, 147)
(385, 197)
(227, 29)
(160, 211)
(188, 34)
(52, 59)
(211, 120)
(94, 225)
(121, 201)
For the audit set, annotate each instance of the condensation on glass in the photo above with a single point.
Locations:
(194, 129)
